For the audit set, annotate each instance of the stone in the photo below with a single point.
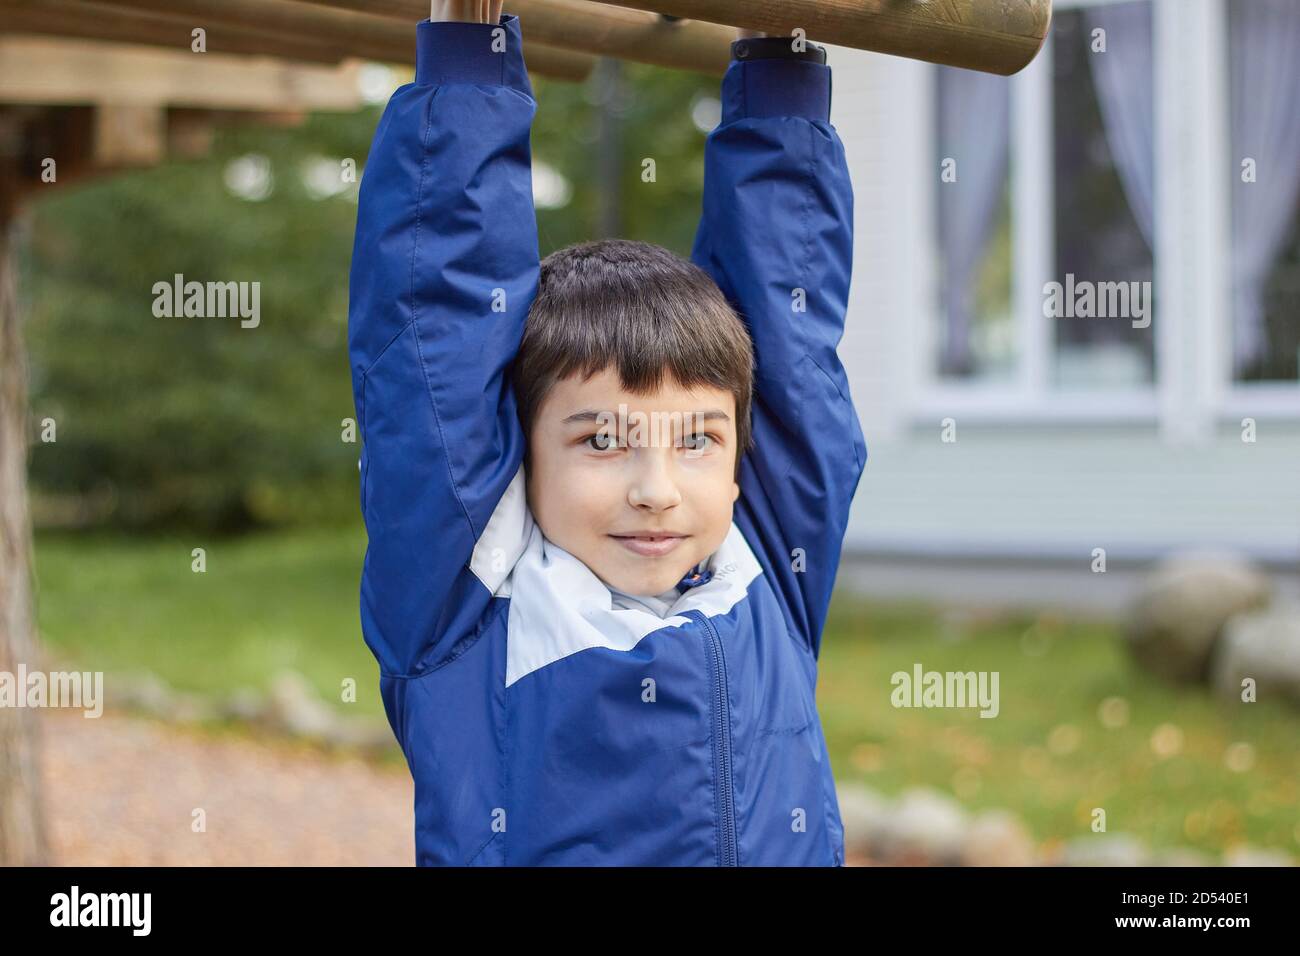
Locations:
(243, 704)
(1263, 645)
(1182, 607)
(293, 707)
(1105, 849)
(865, 815)
(926, 827)
(1181, 856)
(998, 838)
(142, 692)
(1244, 854)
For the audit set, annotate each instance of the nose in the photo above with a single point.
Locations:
(654, 485)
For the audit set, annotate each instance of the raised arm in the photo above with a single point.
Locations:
(777, 236)
(444, 267)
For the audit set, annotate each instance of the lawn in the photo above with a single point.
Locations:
(1078, 725)
(265, 603)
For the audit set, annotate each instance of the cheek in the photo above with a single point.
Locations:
(718, 491)
(565, 491)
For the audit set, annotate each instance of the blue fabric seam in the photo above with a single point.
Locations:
(415, 248)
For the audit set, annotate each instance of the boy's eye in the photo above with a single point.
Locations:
(601, 442)
(698, 442)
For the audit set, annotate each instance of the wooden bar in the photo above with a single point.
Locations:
(55, 71)
(110, 21)
(594, 28)
(89, 21)
(994, 36)
(364, 35)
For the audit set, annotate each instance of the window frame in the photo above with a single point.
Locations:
(1194, 390)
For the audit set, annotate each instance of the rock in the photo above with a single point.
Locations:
(370, 736)
(1245, 855)
(1182, 607)
(244, 704)
(1181, 856)
(998, 838)
(143, 692)
(1264, 645)
(1105, 849)
(192, 708)
(865, 815)
(294, 708)
(926, 827)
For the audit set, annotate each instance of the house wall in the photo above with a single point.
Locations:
(1034, 480)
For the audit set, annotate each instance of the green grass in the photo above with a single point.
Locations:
(290, 600)
(1048, 755)
(266, 603)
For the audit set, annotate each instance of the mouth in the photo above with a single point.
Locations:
(650, 544)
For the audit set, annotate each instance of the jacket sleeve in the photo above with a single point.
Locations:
(777, 236)
(444, 268)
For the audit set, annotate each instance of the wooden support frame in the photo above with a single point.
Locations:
(55, 71)
(92, 21)
(593, 28)
(988, 35)
(992, 36)
(353, 33)
(276, 28)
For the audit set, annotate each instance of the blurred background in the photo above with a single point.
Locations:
(1107, 516)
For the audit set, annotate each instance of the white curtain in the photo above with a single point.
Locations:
(1264, 65)
(1123, 78)
(974, 116)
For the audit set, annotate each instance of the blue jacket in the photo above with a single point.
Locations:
(545, 718)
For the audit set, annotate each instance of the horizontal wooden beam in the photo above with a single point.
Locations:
(994, 36)
(997, 36)
(595, 28)
(92, 21)
(346, 32)
(117, 21)
(63, 70)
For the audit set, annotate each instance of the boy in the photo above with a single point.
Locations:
(594, 650)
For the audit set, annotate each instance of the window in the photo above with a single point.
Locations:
(973, 232)
(1264, 134)
(1153, 146)
(1104, 207)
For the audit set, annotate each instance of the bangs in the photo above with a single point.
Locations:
(640, 310)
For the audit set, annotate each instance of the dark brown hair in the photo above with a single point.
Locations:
(645, 311)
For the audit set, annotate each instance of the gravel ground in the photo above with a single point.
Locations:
(122, 791)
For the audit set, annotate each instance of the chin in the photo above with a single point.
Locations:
(647, 581)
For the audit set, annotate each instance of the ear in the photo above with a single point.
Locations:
(735, 491)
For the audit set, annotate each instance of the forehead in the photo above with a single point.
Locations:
(604, 391)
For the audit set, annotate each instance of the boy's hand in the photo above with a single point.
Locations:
(743, 34)
(468, 11)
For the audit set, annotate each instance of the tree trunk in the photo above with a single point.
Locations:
(22, 827)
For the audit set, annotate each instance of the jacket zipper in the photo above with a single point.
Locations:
(722, 746)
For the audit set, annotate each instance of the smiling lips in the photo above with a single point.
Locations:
(650, 544)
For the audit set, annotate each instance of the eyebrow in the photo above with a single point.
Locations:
(590, 415)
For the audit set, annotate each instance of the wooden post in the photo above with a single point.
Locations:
(23, 840)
